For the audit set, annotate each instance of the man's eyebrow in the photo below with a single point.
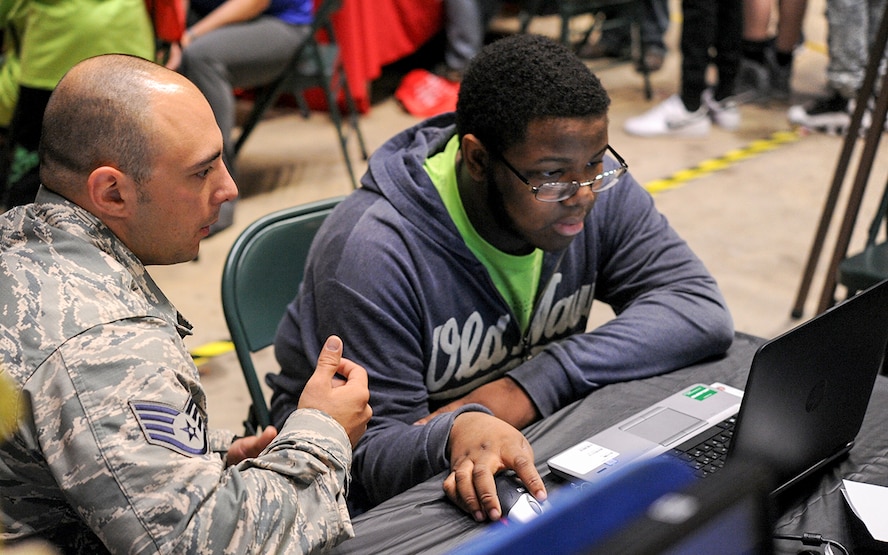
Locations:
(561, 159)
(208, 160)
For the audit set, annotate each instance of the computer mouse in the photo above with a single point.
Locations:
(516, 502)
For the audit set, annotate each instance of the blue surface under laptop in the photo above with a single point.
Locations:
(650, 507)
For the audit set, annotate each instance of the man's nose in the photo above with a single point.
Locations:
(228, 190)
(584, 196)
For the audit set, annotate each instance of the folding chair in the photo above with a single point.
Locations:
(566, 9)
(261, 276)
(870, 266)
(316, 63)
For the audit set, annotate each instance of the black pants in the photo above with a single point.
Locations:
(712, 32)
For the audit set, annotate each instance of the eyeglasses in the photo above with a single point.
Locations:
(556, 191)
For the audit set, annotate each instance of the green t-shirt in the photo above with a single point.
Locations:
(515, 277)
(55, 35)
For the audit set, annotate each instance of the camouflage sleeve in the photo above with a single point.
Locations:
(120, 416)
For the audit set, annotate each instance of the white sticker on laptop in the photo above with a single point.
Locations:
(585, 457)
(727, 388)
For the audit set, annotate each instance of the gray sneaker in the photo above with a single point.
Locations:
(780, 76)
(753, 82)
(723, 113)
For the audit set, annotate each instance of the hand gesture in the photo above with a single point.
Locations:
(480, 446)
(344, 400)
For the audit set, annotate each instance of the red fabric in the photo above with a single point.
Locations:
(375, 33)
(168, 17)
(424, 94)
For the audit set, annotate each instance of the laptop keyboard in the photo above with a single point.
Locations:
(706, 452)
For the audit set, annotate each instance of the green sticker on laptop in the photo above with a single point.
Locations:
(700, 393)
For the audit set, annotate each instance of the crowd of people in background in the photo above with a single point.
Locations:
(750, 43)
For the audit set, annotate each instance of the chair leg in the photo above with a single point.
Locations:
(353, 111)
(565, 28)
(530, 9)
(266, 98)
(336, 116)
(637, 15)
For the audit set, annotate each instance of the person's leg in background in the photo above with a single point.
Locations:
(728, 40)
(851, 25)
(465, 25)
(697, 36)
(653, 27)
(240, 55)
(766, 66)
(616, 42)
(684, 114)
(789, 37)
(464, 36)
(720, 99)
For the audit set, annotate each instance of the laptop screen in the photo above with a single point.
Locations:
(653, 506)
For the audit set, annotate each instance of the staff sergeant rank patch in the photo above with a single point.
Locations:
(183, 431)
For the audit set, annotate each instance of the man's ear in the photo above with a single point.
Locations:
(111, 192)
(476, 158)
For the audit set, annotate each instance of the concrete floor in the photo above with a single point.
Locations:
(751, 220)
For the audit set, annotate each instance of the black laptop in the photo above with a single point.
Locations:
(804, 402)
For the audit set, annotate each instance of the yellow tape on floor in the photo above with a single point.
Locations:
(713, 165)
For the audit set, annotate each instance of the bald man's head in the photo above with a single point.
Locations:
(100, 115)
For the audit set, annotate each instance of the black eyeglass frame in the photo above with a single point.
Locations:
(573, 186)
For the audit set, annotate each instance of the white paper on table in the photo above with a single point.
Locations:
(868, 502)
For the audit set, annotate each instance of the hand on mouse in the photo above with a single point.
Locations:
(480, 446)
(517, 504)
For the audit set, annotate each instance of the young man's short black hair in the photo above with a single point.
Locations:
(521, 78)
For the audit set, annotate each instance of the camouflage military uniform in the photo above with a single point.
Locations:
(113, 448)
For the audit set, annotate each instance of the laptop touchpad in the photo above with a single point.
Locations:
(663, 426)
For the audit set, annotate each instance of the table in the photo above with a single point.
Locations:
(375, 33)
(422, 520)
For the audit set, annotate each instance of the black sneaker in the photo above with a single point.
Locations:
(830, 114)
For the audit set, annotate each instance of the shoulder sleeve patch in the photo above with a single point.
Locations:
(181, 430)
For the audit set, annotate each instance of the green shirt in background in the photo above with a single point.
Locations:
(43, 39)
(515, 277)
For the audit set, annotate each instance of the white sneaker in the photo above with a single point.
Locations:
(670, 117)
(723, 113)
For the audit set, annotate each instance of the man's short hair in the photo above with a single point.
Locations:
(521, 78)
(101, 118)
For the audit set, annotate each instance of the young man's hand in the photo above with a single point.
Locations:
(480, 446)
